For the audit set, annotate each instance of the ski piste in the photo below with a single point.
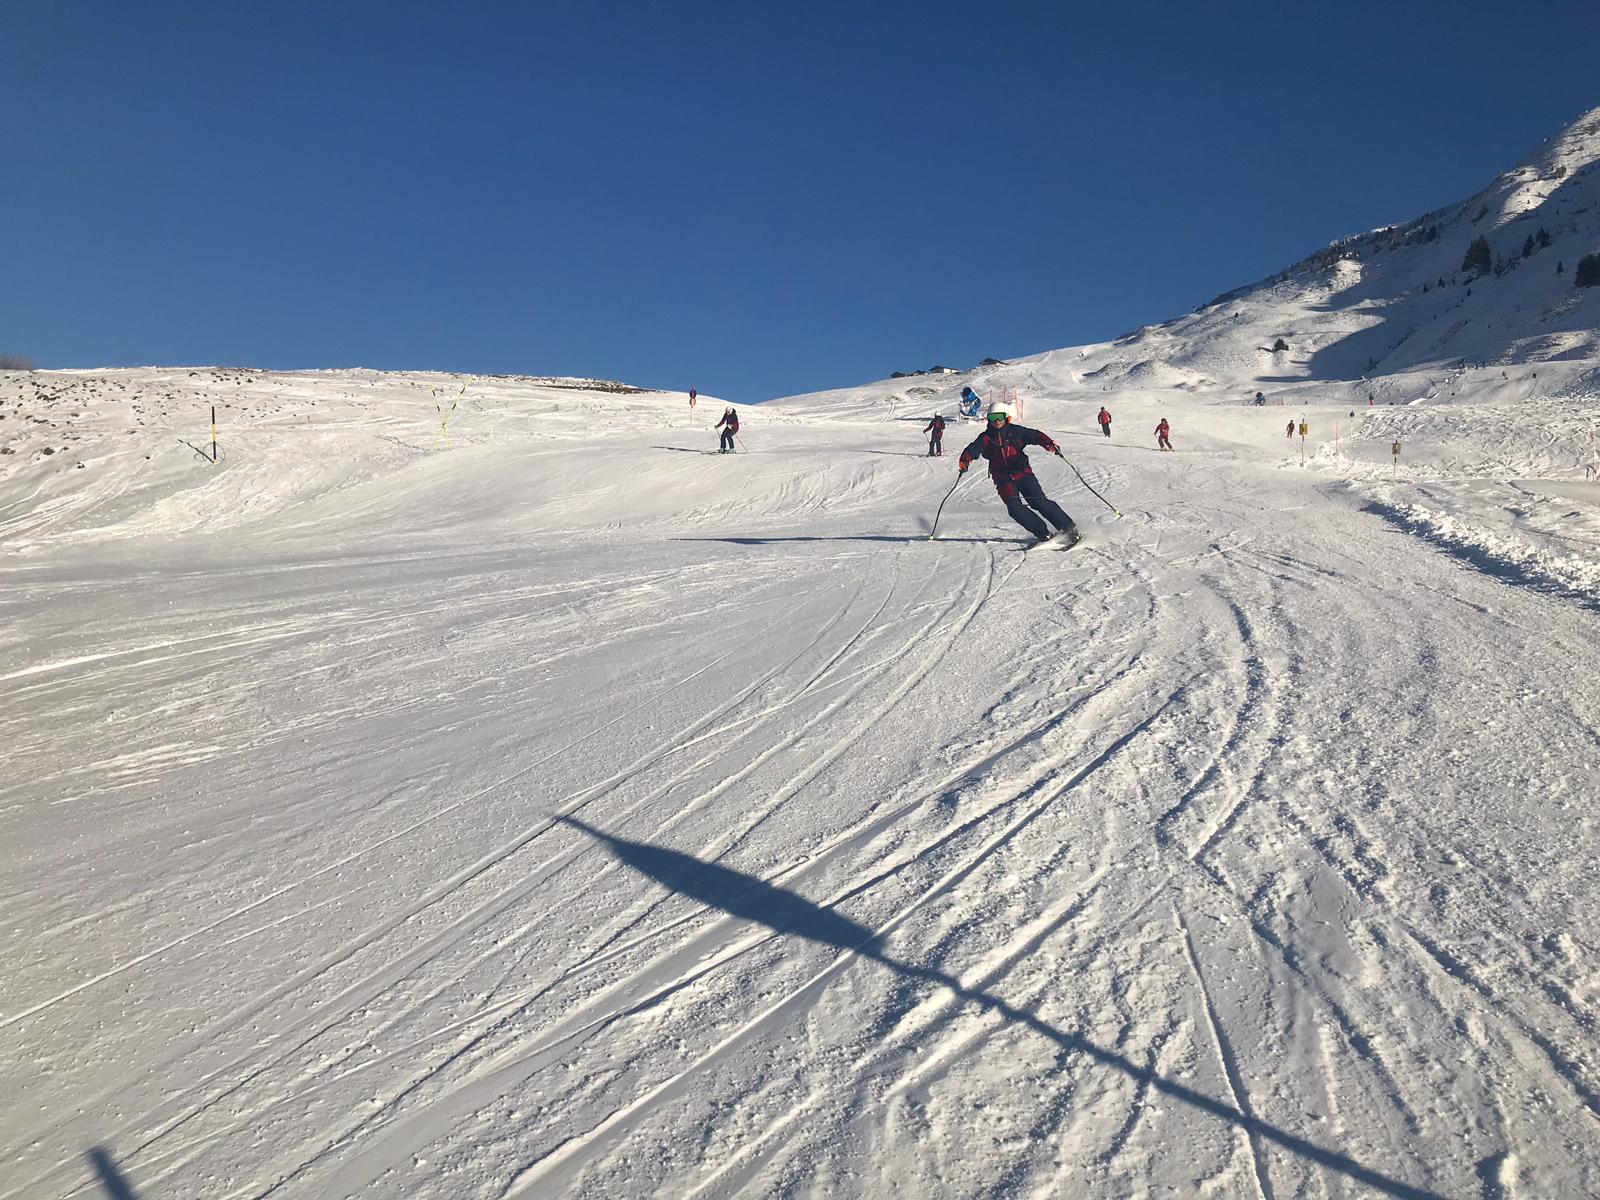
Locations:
(1220, 837)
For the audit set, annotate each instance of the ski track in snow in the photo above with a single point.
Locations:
(446, 825)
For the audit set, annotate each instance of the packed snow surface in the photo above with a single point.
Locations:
(544, 805)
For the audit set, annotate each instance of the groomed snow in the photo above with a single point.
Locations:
(569, 811)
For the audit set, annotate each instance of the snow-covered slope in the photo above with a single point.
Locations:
(572, 811)
(1398, 299)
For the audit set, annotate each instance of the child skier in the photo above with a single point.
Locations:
(1163, 435)
(731, 420)
(936, 439)
(1105, 420)
(1005, 445)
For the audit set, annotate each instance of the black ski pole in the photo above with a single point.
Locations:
(959, 477)
(740, 440)
(1085, 483)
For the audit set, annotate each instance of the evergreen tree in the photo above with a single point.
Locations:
(1478, 259)
(1588, 272)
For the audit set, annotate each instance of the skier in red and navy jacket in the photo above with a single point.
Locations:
(935, 428)
(1005, 445)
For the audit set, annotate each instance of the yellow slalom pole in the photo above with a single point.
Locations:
(444, 417)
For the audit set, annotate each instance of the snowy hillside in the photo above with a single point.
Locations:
(564, 809)
(1398, 299)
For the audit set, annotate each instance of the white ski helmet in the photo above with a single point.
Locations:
(998, 409)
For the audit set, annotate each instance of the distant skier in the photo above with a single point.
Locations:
(1290, 431)
(1005, 445)
(970, 402)
(1105, 420)
(692, 394)
(1164, 435)
(730, 419)
(935, 432)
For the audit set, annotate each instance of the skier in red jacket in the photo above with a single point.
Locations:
(1005, 445)
(1105, 420)
(935, 430)
(1164, 435)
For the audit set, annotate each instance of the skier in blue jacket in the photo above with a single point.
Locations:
(1005, 445)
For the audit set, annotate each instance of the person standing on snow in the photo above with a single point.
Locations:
(692, 395)
(1290, 431)
(935, 430)
(1105, 420)
(1164, 435)
(731, 420)
(1005, 445)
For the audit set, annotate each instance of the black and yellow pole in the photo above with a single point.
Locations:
(213, 433)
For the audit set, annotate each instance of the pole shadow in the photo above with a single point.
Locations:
(111, 1179)
(786, 912)
(860, 537)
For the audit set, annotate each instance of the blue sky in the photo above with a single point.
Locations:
(752, 199)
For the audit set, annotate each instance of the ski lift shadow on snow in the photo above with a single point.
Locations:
(786, 912)
(110, 1179)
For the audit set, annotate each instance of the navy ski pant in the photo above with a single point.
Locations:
(727, 439)
(1022, 493)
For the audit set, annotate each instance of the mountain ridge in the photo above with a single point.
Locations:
(1399, 298)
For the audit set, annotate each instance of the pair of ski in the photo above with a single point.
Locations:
(1056, 541)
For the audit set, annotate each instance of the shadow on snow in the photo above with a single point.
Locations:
(786, 912)
(110, 1179)
(847, 537)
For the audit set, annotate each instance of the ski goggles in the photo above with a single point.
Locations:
(994, 417)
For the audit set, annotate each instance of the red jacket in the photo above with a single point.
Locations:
(1163, 430)
(1105, 417)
